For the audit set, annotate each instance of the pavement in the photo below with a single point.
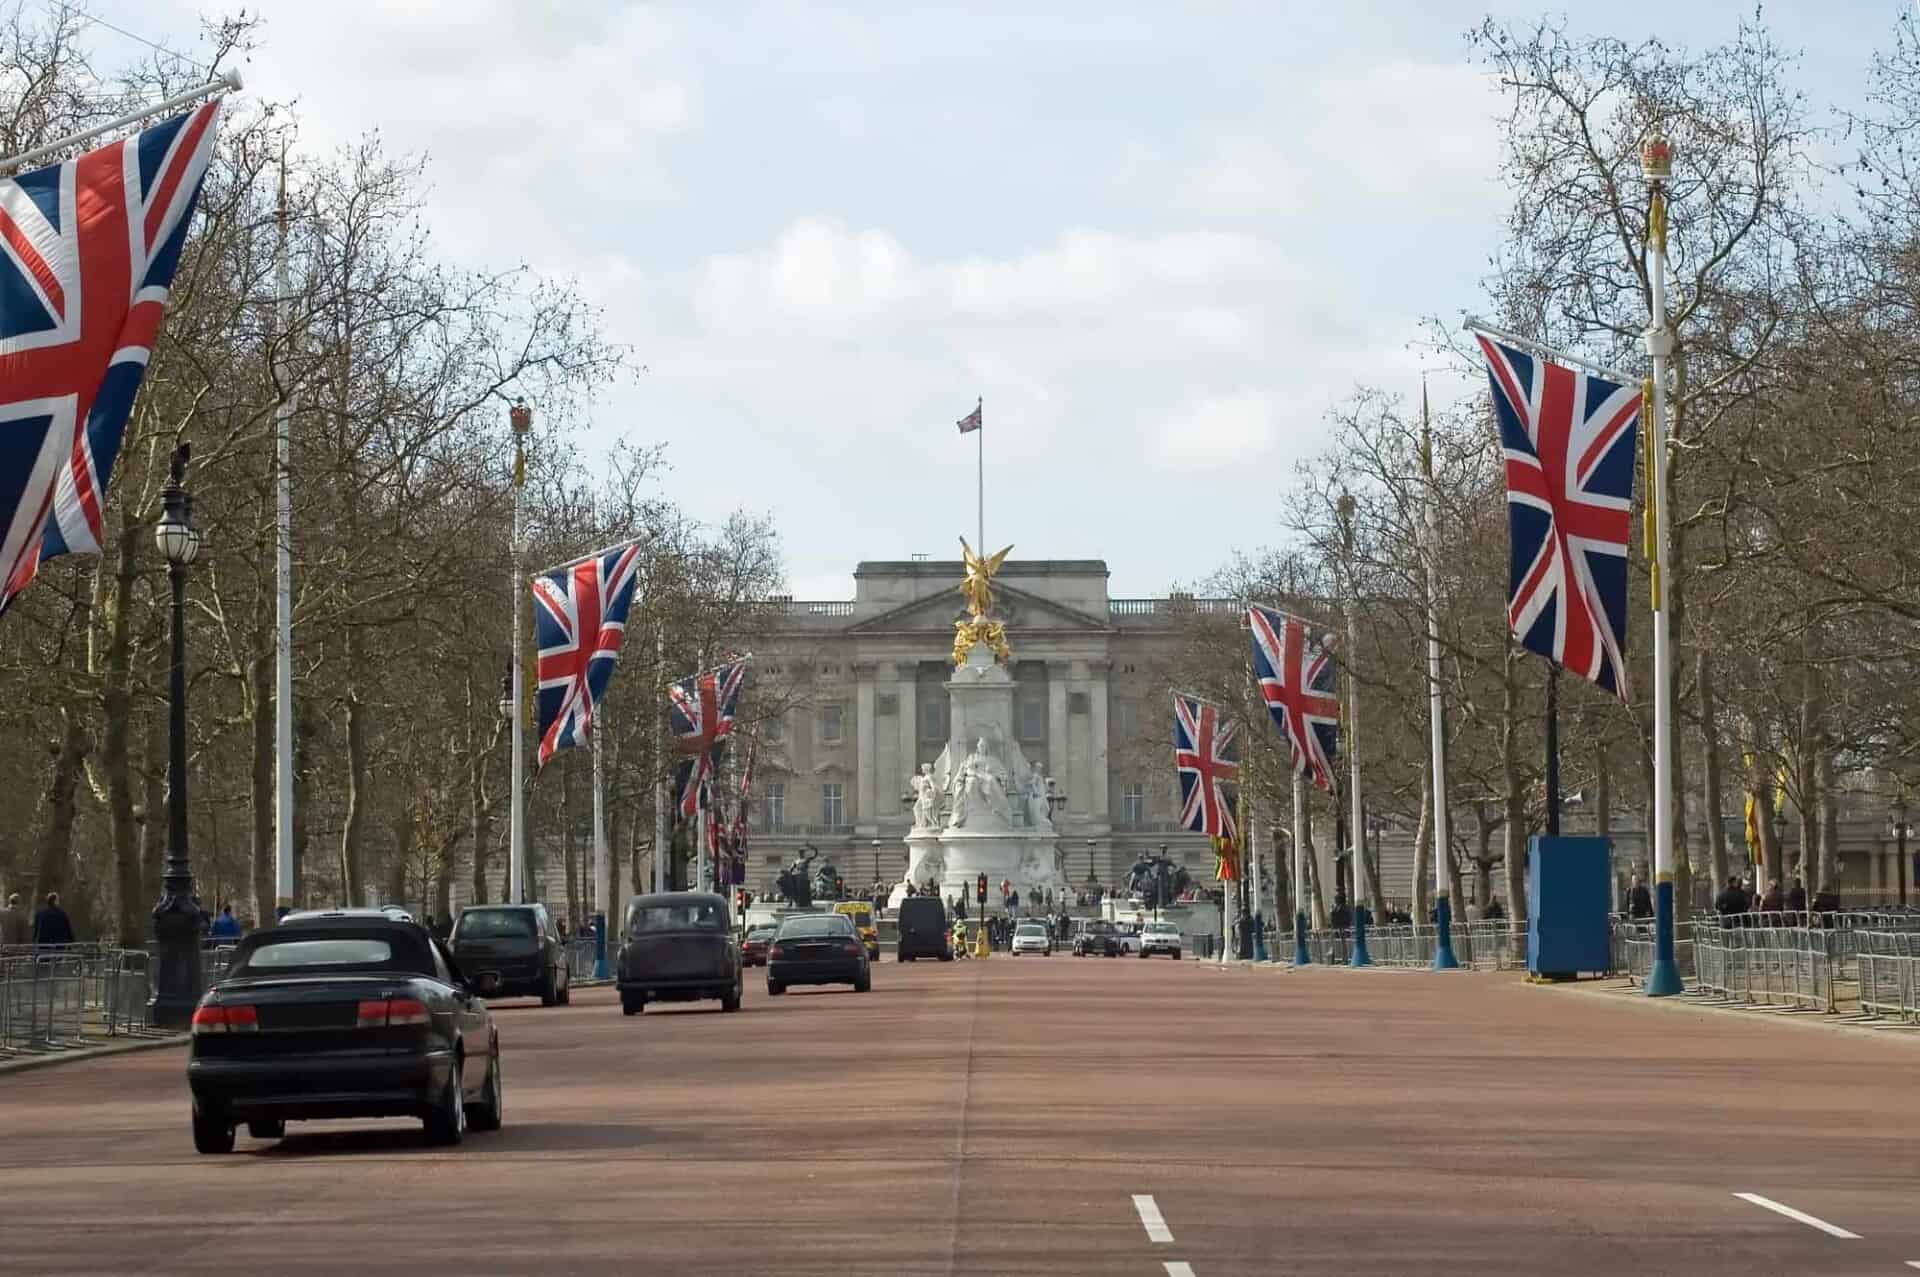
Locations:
(1034, 1115)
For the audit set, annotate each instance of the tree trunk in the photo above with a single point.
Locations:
(1316, 900)
(1483, 826)
(53, 858)
(1762, 790)
(1829, 862)
(304, 727)
(132, 905)
(1422, 887)
(359, 798)
(478, 832)
(399, 867)
(262, 787)
(1713, 784)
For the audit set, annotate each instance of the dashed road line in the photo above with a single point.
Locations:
(1767, 1203)
(1151, 1218)
(1181, 1268)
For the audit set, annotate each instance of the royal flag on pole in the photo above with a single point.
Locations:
(1569, 439)
(88, 251)
(970, 423)
(1202, 738)
(690, 780)
(579, 618)
(1295, 672)
(700, 709)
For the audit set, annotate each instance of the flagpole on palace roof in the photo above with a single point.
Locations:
(1663, 978)
(228, 83)
(283, 580)
(980, 472)
(1443, 957)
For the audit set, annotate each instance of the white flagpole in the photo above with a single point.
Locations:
(602, 870)
(980, 473)
(1663, 978)
(1443, 957)
(660, 792)
(522, 420)
(283, 886)
(228, 83)
(1356, 831)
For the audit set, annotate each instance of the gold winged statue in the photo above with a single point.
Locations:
(979, 627)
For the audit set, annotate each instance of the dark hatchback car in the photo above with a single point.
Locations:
(753, 950)
(341, 1018)
(818, 948)
(679, 947)
(520, 946)
(923, 930)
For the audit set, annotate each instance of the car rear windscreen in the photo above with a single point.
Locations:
(687, 915)
(341, 953)
(495, 924)
(829, 925)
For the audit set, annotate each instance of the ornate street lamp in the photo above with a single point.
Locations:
(176, 918)
(1898, 814)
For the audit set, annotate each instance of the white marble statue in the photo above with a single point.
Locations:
(979, 793)
(1039, 810)
(931, 865)
(926, 797)
(1036, 867)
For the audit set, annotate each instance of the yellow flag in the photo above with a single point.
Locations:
(1753, 830)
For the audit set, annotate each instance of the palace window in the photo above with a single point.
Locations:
(1133, 803)
(830, 724)
(1033, 717)
(887, 703)
(776, 800)
(933, 718)
(832, 805)
(1126, 718)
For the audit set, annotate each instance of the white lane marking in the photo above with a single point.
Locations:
(1150, 1216)
(1832, 1230)
(1181, 1268)
(1913, 1263)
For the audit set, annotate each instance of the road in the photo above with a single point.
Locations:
(1034, 1116)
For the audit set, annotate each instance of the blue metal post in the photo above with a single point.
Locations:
(1360, 958)
(599, 946)
(1443, 959)
(1663, 980)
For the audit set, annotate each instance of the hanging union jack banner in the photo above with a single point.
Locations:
(1569, 438)
(1201, 738)
(88, 250)
(579, 618)
(700, 716)
(1296, 680)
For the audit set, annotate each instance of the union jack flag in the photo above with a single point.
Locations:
(1569, 440)
(579, 618)
(1296, 680)
(1201, 738)
(88, 251)
(700, 709)
(746, 799)
(692, 779)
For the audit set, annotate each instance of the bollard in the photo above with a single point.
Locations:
(1360, 958)
(599, 946)
(1443, 959)
(1300, 955)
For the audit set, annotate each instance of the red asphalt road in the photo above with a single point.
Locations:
(1000, 1116)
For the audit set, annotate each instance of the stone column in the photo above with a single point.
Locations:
(1097, 739)
(908, 673)
(1057, 672)
(865, 759)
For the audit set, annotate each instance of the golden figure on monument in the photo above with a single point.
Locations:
(979, 627)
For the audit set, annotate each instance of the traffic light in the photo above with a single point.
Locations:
(839, 888)
(980, 889)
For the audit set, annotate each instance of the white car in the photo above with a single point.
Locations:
(1160, 937)
(1031, 937)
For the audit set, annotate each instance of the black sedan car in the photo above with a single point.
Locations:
(342, 1017)
(1096, 938)
(818, 948)
(518, 944)
(680, 946)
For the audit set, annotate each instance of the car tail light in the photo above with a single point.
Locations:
(214, 1018)
(397, 1012)
(776, 952)
(850, 946)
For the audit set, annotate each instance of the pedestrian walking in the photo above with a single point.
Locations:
(1773, 901)
(1639, 900)
(1796, 897)
(226, 926)
(1495, 911)
(51, 926)
(15, 926)
(1732, 899)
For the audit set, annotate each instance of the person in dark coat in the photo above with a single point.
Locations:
(1342, 916)
(1796, 897)
(1826, 900)
(1773, 901)
(1639, 900)
(226, 926)
(15, 926)
(1495, 911)
(51, 926)
(1732, 898)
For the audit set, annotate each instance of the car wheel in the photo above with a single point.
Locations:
(269, 1128)
(1176, 955)
(630, 1004)
(487, 1114)
(447, 1123)
(549, 990)
(775, 988)
(212, 1132)
(863, 982)
(946, 957)
(903, 957)
(566, 991)
(730, 1000)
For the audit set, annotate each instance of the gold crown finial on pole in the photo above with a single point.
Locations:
(1656, 158)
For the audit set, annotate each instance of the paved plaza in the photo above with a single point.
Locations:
(1036, 1115)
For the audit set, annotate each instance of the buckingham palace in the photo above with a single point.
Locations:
(862, 702)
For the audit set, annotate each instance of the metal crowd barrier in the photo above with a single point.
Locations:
(580, 956)
(1889, 972)
(1793, 959)
(1492, 945)
(59, 998)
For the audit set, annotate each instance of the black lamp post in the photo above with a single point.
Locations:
(876, 862)
(1900, 866)
(176, 919)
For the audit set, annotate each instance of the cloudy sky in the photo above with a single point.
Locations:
(1159, 239)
